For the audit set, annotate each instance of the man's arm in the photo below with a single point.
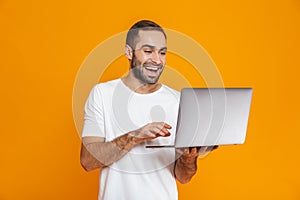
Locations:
(186, 164)
(96, 153)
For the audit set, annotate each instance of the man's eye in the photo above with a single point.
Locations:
(163, 53)
(147, 51)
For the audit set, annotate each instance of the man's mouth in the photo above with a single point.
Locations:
(153, 69)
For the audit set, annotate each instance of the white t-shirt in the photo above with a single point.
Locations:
(111, 110)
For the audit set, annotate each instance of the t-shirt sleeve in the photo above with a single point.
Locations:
(94, 114)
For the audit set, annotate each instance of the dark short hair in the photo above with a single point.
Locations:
(145, 25)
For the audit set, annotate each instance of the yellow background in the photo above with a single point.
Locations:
(43, 43)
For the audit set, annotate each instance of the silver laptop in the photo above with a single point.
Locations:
(212, 116)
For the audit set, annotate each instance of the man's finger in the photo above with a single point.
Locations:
(215, 147)
(193, 150)
(202, 150)
(156, 131)
(167, 126)
(165, 131)
(179, 151)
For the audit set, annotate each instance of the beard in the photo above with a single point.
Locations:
(138, 70)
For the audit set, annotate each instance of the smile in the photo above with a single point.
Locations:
(154, 69)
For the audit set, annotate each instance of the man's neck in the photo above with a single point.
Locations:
(138, 86)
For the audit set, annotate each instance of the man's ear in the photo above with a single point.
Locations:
(128, 51)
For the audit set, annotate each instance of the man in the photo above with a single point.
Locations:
(123, 116)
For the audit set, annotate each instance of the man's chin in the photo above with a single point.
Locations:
(151, 81)
(145, 78)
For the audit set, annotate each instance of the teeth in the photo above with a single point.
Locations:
(152, 68)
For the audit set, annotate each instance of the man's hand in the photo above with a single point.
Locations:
(190, 154)
(151, 131)
(186, 164)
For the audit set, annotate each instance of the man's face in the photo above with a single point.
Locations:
(149, 56)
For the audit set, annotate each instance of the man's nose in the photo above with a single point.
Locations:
(156, 58)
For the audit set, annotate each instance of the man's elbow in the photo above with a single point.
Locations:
(87, 161)
(85, 165)
(89, 165)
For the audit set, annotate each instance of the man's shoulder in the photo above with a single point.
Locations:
(108, 84)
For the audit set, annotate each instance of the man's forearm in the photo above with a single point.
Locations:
(99, 154)
(102, 154)
(184, 171)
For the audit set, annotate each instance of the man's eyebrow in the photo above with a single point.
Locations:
(152, 47)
